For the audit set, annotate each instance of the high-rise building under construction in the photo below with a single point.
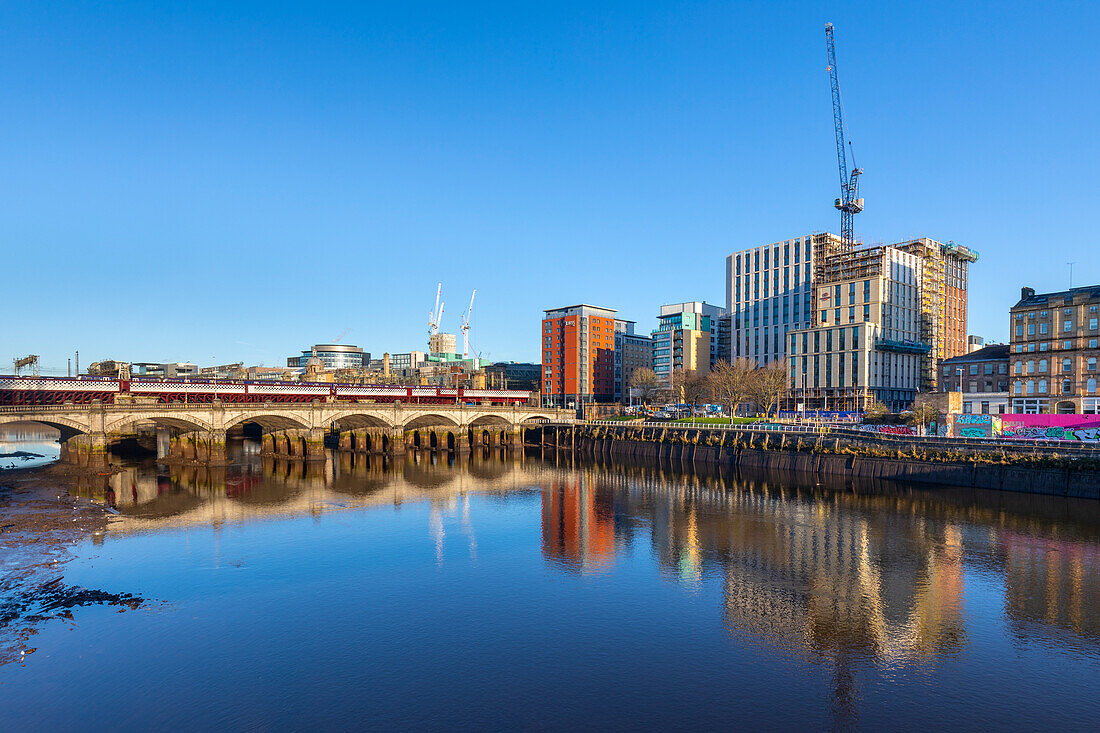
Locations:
(865, 322)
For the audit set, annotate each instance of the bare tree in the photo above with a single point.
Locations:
(691, 386)
(731, 382)
(924, 411)
(645, 381)
(772, 382)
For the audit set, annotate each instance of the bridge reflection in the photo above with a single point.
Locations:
(846, 575)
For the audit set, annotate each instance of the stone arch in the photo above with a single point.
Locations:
(351, 419)
(491, 420)
(180, 424)
(68, 428)
(1065, 407)
(267, 422)
(429, 421)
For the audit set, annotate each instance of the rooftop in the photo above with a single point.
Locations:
(1029, 297)
(579, 305)
(992, 352)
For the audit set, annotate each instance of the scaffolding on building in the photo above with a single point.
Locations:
(857, 263)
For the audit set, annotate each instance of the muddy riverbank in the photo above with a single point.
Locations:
(40, 523)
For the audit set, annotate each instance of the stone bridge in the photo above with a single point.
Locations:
(198, 431)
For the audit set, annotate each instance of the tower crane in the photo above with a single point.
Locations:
(466, 327)
(849, 204)
(436, 314)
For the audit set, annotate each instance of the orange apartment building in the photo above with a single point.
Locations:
(578, 355)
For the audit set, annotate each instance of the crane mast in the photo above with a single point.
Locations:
(849, 204)
(466, 328)
(436, 314)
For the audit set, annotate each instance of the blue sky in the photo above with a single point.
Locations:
(235, 181)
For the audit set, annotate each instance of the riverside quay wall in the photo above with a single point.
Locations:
(1008, 467)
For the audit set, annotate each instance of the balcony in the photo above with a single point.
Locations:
(902, 347)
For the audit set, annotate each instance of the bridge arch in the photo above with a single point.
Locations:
(267, 422)
(185, 424)
(351, 419)
(430, 421)
(67, 427)
(490, 420)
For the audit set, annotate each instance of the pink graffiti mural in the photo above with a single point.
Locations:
(1083, 428)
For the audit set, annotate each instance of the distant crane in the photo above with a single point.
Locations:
(849, 204)
(436, 314)
(466, 327)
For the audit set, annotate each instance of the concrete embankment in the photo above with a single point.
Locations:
(829, 456)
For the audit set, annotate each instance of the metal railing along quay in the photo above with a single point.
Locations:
(931, 442)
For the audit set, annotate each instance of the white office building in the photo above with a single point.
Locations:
(769, 292)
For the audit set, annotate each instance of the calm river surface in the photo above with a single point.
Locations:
(524, 593)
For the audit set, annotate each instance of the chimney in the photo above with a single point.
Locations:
(1026, 292)
(386, 364)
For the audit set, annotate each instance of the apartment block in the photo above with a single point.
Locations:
(578, 350)
(632, 351)
(769, 292)
(865, 343)
(1054, 351)
(944, 279)
(685, 339)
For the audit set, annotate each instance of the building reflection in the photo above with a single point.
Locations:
(578, 524)
(848, 575)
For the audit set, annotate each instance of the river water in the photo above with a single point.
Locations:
(528, 592)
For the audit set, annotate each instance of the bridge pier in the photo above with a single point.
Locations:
(85, 450)
(314, 439)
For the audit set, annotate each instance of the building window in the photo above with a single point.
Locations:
(1067, 386)
(1092, 324)
(1043, 328)
(1017, 387)
(1031, 329)
(1031, 386)
(1031, 366)
(1042, 386)
(1067, 326)
(973, 370)
(1091, 385)
(1067, 365)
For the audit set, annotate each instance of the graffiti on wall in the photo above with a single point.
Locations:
(1052, 432)
(888, 429)
(1081, 428)
(973, 426)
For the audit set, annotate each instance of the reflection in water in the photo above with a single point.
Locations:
(27, 445)
(855, 581)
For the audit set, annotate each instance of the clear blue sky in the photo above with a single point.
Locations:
(230, 181)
